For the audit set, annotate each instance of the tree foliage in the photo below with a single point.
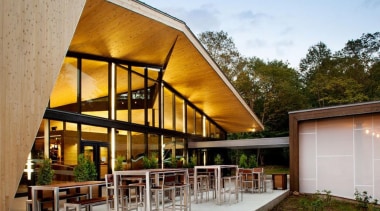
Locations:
(223, 50)
(272, 88)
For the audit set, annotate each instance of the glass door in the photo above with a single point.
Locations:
(98, 152)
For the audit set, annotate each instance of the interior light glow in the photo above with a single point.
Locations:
(204, 125)
(113, 91)
(29, 166)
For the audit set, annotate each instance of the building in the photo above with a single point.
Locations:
(105, 78)
(336, 149)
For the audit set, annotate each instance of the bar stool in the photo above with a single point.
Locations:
(160, 189)
(230, 187)
(203, 183)
(139, 189)
(182, 189)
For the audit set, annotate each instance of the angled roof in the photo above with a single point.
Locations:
(133, 31)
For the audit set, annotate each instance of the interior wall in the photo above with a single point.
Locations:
(341, 155)
(34, 39)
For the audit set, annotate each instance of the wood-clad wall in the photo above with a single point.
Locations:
(34, 39)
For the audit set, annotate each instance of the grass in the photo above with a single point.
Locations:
(275, 169)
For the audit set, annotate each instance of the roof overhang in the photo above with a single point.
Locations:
(133, 31)
(279, 142)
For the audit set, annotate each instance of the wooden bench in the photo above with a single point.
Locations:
(61, 197)
(85, 203)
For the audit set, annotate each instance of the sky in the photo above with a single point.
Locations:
(278, 29)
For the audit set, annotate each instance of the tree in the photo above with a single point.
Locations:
(223, 50)
(280, 91)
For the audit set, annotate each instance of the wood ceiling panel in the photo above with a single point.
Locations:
(145, 35)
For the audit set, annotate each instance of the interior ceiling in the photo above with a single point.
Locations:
(136, 32)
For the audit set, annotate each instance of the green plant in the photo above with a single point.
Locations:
(119, 163)
(364, 200)
(252, 161)
(150, 162)
(85, 170)
(218, 159)
(243, 161)
(191, 163)
(45, 173)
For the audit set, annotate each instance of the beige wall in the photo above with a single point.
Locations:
(35, 36)
(341, 155)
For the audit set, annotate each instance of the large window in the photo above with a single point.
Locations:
(65, 91)
(94, 88)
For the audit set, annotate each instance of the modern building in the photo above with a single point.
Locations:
(105, 78)
(336, 149)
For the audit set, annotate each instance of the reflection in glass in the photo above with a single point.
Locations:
(94, 90)
(64, 94)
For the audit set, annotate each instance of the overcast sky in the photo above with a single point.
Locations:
(278, 29)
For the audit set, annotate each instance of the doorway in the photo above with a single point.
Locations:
(98, 152)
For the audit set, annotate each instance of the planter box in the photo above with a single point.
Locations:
(280, 181)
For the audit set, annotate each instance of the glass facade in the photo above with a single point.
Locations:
(108, 110)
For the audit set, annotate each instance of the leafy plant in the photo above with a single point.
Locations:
(173, 162)
(218, 159)
(243, 161)
(252, 161)
(119, 163)
(191, 163)
(85, 170)
(45, 173)
(150, 162)
(364, 200)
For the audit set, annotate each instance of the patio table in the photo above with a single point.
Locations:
(218, 178)
(148, 174)
(56, 188)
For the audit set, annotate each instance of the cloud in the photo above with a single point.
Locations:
(283, 47)
(200, 19)
(253, 18)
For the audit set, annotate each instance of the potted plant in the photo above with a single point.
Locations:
(119, 163)
(45, 173)
(85, 170)
(150, 162)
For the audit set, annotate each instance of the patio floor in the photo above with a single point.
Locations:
(251, 202)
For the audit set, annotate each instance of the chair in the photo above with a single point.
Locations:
(231, 187)
(182, 189)
(109, 190)
(161, 188)
(136, 193)
(110, 187)
(248, 180)
(203, 185)
(259, 179)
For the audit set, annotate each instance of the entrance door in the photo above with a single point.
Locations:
(98, 152)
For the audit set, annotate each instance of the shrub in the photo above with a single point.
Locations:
(45, 173)
(243, 161)
(85, 170)
(252, 161)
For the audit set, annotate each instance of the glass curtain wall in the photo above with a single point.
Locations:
(84, 87)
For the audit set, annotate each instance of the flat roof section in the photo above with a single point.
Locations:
(278, 142)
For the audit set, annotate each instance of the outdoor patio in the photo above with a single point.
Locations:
(251, 202)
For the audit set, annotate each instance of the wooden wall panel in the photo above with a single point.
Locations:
(35, 36)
